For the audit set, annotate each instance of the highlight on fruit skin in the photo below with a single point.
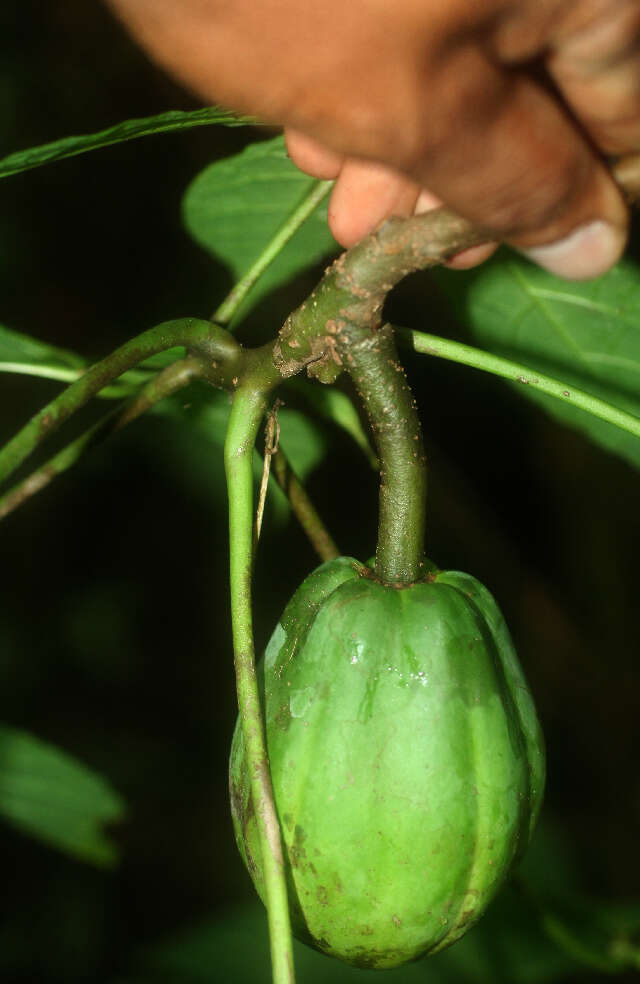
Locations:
(406, 756)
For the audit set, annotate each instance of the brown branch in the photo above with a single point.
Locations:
(353, 290)
(355, 287)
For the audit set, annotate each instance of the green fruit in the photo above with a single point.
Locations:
(406, 757)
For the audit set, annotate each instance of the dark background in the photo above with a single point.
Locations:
(114, 626)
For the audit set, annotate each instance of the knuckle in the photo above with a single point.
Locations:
(607, 38)
(544, 202)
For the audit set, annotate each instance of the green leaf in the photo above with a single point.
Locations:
(206, 413)
(235, 207)
(506, 947)
(515, 372)
(18, 349)
(337, 407)
(303, 441)
(25, 160)
(584, 333)
(50, 795)
(27, 356)
(520, 940)
(602, 935)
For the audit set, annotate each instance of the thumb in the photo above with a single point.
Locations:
(517, 165)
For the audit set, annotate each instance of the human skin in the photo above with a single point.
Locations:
(503, 109)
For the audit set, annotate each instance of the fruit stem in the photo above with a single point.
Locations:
(371, 359)
(248, 408)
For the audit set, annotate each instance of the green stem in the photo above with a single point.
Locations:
(169, 381)
(248, 408)
(443, 348)
(303, 508)
(380, 381)
(318, 192)
(61, 374)
(185, 331)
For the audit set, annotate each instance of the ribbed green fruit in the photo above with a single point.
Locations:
(406, 757)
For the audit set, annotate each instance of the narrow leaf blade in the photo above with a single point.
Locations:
(169, 122)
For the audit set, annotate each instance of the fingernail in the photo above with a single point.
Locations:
(588, 251)
(426, 202)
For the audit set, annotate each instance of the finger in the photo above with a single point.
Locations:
(518, 166)
(597, 69)
(473, 257)
(365, 194)
(468, 257)
(312, 157)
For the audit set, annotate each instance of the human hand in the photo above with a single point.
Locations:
(502, 109)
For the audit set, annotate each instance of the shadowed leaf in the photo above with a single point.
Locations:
(585, 333)
(18, 348)
(235, 206)
(50, 795)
